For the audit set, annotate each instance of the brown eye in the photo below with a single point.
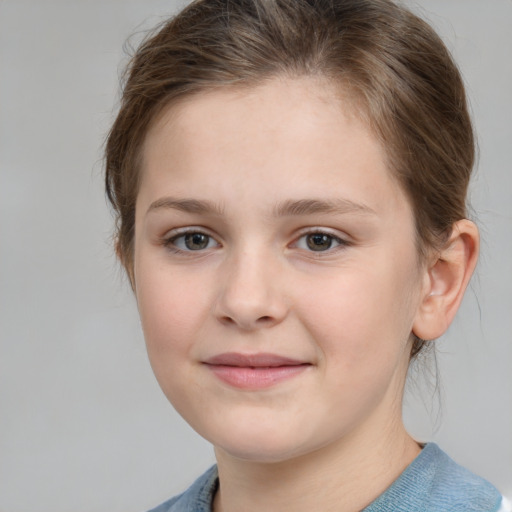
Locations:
(192, 241)
(319, 241)
(196, 241)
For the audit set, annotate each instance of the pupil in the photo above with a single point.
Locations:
(196, 241)
(319, 242)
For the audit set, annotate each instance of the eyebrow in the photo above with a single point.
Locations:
(286, 208)
(186, 205)
(312, 206)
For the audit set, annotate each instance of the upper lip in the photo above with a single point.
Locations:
(252, 360)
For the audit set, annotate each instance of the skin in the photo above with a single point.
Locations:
(266, 168)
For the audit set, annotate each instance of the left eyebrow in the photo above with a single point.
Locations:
(312, 206)
(186, 205)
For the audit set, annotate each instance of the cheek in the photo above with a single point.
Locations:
(361, 334)
(171, 316)
(171, 312)
(363, 318)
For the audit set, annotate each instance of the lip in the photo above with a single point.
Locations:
(254, 371)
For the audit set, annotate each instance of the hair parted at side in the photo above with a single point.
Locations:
(389, 61)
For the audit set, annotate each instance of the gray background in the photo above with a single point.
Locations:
(83, 425)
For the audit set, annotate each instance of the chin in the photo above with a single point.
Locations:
(262, 447)
(259, 454)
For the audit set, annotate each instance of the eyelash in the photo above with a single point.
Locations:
(341, 243)
(170, 241)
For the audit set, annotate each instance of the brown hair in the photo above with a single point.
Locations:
(391, 63)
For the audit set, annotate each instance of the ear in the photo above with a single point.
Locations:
(445, 281)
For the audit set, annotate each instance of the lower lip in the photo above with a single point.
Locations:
(256, 378)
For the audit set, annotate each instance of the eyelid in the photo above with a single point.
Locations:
(172, 235)
(342, 240)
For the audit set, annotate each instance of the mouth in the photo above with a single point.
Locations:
(254, 371)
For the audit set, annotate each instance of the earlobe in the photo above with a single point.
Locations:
(445, 281)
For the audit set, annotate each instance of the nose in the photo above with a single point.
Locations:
(252, 294)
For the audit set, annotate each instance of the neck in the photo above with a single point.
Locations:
(347, 476)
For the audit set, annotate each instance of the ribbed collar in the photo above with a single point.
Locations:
(431, 483)
(435, 483)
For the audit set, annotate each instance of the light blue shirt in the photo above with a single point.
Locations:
(431, 483)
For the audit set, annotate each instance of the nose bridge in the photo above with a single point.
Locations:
(250, 292)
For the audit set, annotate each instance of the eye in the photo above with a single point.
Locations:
(192, 241)
(319, 242)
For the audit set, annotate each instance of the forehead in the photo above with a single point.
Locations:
(302, 131)
(281, 106)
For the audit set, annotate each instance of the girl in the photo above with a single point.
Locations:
(289, 178)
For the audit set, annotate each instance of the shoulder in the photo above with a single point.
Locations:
(457, 488)
(433, 482)
(462, 486)
(197, 498)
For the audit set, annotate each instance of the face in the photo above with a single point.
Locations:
(275, 269)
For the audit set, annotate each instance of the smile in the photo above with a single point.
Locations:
(256, 371)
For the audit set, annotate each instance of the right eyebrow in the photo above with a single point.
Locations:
(186, 205)
(313, 206)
